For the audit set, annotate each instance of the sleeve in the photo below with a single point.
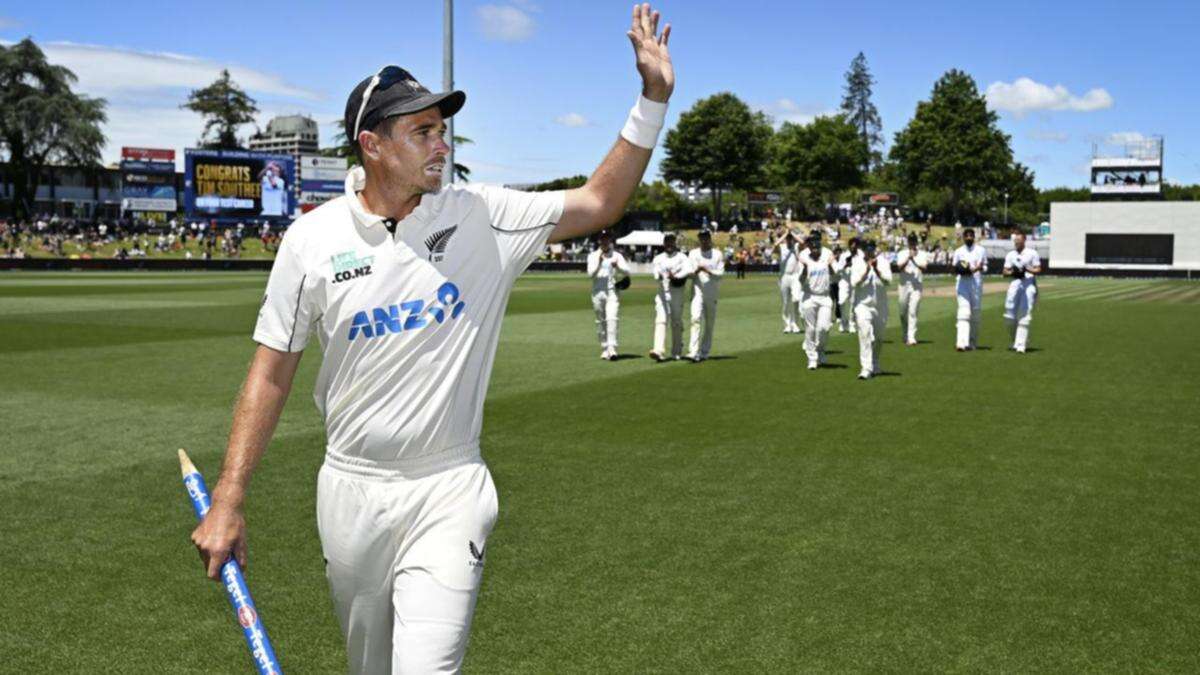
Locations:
(1009, 259)
(656, 269)
(718, 268)
(858, 271)
(885, 273)
(1035, 260)
(287, 313)
(522, 221)
(622, 264)
(593, 263)
(954, 259)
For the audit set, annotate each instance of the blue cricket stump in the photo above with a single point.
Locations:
(235, 582)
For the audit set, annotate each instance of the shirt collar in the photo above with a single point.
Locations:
(356, 181)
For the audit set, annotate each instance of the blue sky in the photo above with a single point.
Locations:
(549, 82)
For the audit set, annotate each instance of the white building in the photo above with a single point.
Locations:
(1125, 235)
(293, 135)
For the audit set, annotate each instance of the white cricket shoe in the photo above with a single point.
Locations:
(865, 375)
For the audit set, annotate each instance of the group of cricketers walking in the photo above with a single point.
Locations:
(818, 288)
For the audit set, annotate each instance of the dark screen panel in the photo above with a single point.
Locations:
(1130, 249)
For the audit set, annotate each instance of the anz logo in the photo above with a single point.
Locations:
(407, 316)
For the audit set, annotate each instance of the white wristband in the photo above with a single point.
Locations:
(645, 121)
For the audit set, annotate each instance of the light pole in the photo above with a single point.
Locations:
(1006, 208)
(448, 79)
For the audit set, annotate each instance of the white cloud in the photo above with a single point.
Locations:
(1052, 136)
(572, 120)
(144, 90)
(167, 126)
(106, 70)
(506, 23)
(1025, 95)
(787, 110)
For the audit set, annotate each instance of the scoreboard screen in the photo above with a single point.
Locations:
(1130, 249)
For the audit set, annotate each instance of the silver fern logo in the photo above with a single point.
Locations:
(476, 553)
(436, 243)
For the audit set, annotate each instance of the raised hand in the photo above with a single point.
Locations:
(653, 58)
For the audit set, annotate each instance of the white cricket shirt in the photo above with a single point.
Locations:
(709, 268)
(789, 264)
(817, 272)
(1025, 259)
(606, 271)
(670, 264)
(910, 274)
(972, 256)
(408, 324)
(870, 286)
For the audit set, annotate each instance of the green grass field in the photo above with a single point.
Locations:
(980, 511)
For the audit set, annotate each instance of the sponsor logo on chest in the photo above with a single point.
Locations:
(349, 265)
(407, 316)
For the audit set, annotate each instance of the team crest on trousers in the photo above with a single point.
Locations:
(476, 553)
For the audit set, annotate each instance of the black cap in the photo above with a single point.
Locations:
(398, 93)
(604, 234)
(705, 234)
(912, 237)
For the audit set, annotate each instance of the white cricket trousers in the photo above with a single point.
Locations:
(970, 306)
(789, 296)
(1018, 311)
(871, 325)
(404, 558)
(704, 319)
(910, 303)
(818, 317)
(607, 305)
(668, 306)
(846, 301)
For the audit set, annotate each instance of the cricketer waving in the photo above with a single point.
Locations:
(404, 282)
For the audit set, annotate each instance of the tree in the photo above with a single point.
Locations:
(225, 107)
(823, 157)
(659, 197)
(718, 144)
(43, 122)
(861, 111)
(567, 183)
(1022, 199)
(952, 145)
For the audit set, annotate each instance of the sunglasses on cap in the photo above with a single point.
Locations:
(386, 77)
